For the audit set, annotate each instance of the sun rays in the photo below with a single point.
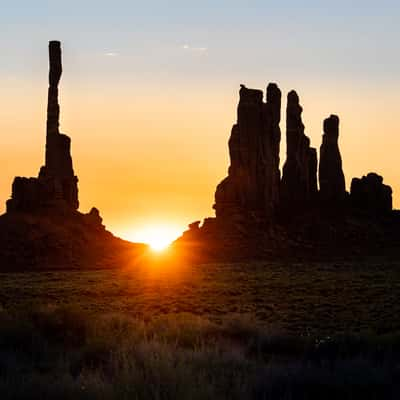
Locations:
(158, 237)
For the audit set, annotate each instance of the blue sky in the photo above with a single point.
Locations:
(357, 40)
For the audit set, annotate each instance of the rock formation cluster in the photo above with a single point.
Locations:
(56, 187)
(253, 190)
(253, 186)
(254, 204)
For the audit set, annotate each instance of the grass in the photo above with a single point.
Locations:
(65, 353)
(316, 299)
(217, 331)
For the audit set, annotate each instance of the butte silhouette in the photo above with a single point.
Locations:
(42, 227)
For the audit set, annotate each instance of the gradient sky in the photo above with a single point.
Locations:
(150, 90)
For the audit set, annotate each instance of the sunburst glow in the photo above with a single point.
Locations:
(157, 237)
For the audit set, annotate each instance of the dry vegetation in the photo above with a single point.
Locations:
(261, 332)
(296, 298)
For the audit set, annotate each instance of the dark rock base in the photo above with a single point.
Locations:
(40, 241)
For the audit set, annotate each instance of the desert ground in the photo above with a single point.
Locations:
(301, 299)
(228, 331)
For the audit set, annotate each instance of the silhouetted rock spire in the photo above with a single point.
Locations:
(42, 228)
(298, 187)
(331, 178)
(56, 187)
(55, 71)
(251, 189)
(58, 167)
(272, 143)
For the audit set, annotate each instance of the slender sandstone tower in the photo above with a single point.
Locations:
(58, 164)
(55, 71)
(299, 178)
(331, 178)
(56, 188)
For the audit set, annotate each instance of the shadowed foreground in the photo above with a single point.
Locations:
(216, 331)
(63, 353)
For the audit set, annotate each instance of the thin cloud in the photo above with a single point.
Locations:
(111, 54)
(193, 49)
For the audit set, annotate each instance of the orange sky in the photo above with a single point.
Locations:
(146, 156)
(150, 89)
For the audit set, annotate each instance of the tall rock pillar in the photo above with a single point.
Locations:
(251, 190)
(298, 186)
(56, 188)
(331, 178)
(58, 170)
(272, 140)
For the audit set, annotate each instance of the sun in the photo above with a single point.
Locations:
(158, 237)
(158, 241)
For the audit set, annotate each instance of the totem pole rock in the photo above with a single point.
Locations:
(56, 187)
(331, 178)
(42, 228)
